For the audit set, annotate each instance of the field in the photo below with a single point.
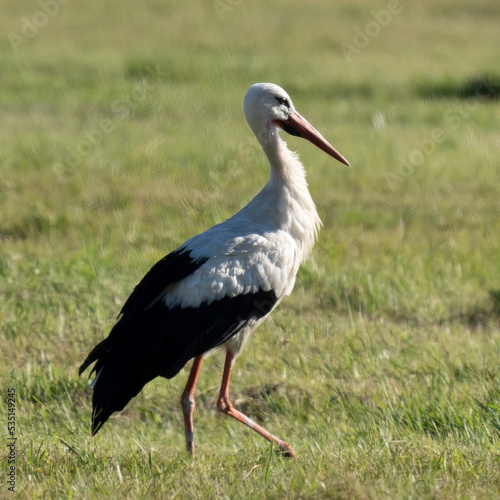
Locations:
(122, 134)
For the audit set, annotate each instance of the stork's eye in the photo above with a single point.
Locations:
(283, 100)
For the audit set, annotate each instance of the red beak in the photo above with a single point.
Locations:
(307, 131)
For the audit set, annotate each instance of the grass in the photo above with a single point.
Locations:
(121, 135)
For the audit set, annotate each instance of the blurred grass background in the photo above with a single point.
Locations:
(122, 134)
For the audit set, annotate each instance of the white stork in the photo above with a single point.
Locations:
(220, 285)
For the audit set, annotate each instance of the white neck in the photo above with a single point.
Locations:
(285, 201)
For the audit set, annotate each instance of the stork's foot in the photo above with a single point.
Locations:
(225, 406)
(286, 450)
(190, 444)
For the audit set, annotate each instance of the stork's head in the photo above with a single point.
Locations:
(268, 107)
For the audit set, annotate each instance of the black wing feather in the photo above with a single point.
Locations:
(172, 268)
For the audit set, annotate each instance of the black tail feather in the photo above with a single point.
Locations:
(120, 376)
(98, 351)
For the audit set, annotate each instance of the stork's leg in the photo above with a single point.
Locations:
(224, 405)
(187, 401)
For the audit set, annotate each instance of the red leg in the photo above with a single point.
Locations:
(224, 405)
(187, 401)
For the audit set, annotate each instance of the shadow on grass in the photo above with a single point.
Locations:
(482, 86)
(478, 316)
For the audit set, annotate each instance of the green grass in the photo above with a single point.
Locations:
(381, 369)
